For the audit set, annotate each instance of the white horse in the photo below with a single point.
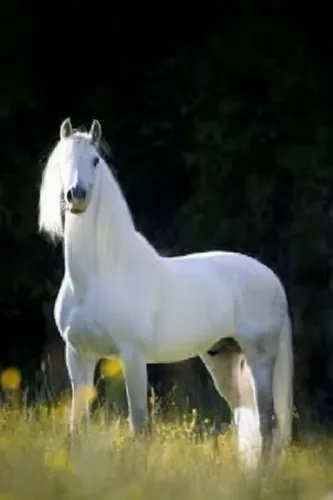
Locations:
(120, 297)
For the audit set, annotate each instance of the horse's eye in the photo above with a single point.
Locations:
(95, 161)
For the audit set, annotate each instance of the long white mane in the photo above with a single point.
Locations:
(50, 196)
(111, 204)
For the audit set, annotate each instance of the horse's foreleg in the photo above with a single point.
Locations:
(81, 374)
(135, 374)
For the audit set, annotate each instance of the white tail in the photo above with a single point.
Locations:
(283, 386)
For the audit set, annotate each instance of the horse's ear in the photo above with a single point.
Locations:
(66, 129)
(95, 131)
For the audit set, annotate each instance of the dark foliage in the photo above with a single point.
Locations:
(221, 128)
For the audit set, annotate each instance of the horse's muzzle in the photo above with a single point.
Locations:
(76, 198)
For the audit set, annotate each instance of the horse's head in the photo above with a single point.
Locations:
(79, 168)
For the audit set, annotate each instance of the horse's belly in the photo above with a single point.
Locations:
(175, 348)
(191, 325)
(175, 353)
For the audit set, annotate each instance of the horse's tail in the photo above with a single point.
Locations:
(283, 385)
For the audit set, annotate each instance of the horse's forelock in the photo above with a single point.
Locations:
(80, 129)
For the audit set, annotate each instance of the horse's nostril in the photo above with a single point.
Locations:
(69, 195)
(76, 193)
(82, 193)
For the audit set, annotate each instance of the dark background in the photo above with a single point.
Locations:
(221, 127)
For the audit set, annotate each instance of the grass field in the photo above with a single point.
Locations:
(105, 463)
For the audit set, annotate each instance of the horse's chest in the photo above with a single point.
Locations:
(80, 276)
(102, 323)
(85, 333)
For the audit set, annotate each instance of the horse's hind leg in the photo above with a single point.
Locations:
(256, 395)
(233, 381)
(247, 389)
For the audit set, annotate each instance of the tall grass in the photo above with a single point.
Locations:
(105, 463)
(182, 460)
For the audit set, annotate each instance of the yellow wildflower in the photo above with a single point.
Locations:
(11, 379)
(58, 461)
(110, 368)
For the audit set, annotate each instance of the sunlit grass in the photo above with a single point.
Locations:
(182, 460)
(106, 463)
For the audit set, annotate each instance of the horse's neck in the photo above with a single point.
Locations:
(81, 257)
(97, 243)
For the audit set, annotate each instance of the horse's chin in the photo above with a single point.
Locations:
(77, 211)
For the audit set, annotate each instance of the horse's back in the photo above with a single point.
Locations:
(258, 296)
(232, 267)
